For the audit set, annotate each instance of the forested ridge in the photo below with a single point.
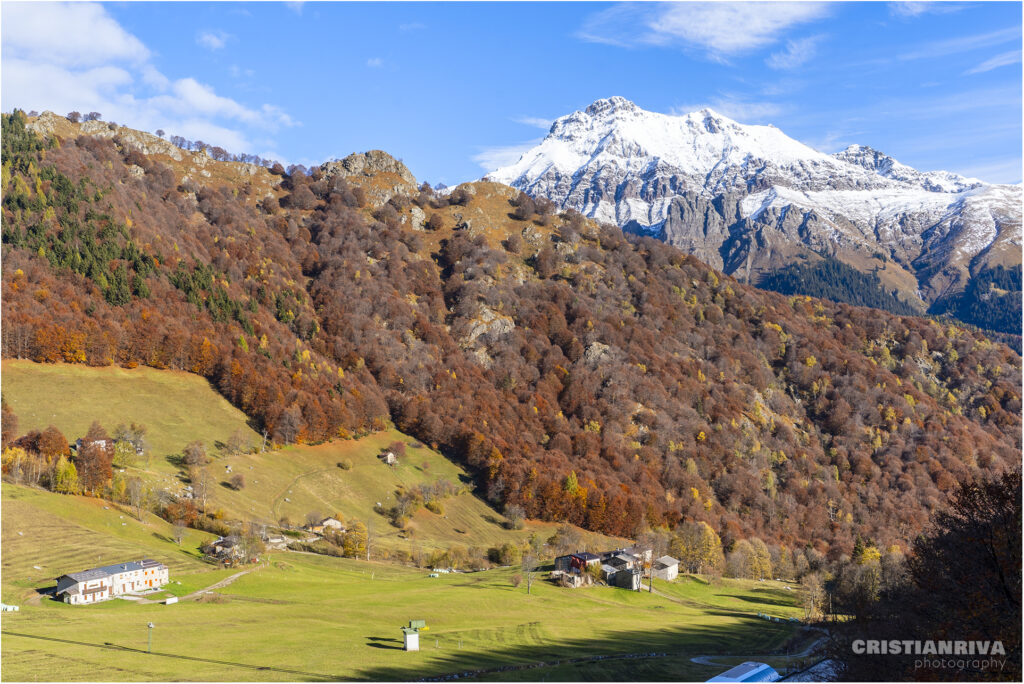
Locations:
(585, 376)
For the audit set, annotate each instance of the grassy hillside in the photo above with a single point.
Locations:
(46, 535)
(178, 408)
(339, 619)
(295, 481)
(175, 407)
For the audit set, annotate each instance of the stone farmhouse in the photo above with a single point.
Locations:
(618, 568)
(111, 581)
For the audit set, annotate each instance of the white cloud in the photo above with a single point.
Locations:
(942, 48)
(492, 158)
(68, 34)
(720, 29)
(734, 107)
(535, 121)
(296, 6)
(1004, 59)
(211, 40)
(238, 72)
(916, 9)
(833, 141)
(797, 53)
(375, 62)
(995, 170)
(77, 57)
(412, 26)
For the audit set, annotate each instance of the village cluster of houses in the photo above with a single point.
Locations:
(111, 581)
(618, 568)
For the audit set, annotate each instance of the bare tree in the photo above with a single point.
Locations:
(179, 532)
(529, 564)
(288, 425)
(515, 514)
(200, 479)
(195, 454)
(136, 495)
(237, 442)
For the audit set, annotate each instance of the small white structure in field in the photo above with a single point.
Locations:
(8, 609)
(412, 634)
(170, 599)
(412, 639)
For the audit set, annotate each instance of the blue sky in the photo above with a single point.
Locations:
(457, 89)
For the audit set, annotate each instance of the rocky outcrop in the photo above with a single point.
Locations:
(379, 174)
(369, 164)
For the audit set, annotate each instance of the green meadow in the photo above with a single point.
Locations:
(303, 617)
(176, 407)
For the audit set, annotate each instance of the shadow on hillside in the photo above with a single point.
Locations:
(176, 460)
(759, 599)
(482, 656)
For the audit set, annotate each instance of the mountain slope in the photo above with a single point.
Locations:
(580, 373)
(749, 200)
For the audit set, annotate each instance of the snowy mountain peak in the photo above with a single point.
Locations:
(745, 196)
(887, 167)
(611, 105)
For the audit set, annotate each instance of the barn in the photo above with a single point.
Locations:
(666, 568)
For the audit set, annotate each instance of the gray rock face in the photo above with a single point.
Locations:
(368, 164)
(748, 199)
(417, 218)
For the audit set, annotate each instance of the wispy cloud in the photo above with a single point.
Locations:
(238, 72)
(942, 48)
(296, 6)
(535, 121)
(1006, 98)
(212, 40)
(492, 158)
(1005, 59)
(719, 29)
(995, 170)
(797, 53)
(735, 107)
(75, 56)
(833, 141)
(375, 62)
(916, 9)
(411, 26)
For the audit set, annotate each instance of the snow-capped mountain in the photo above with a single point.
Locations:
(749, 199)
